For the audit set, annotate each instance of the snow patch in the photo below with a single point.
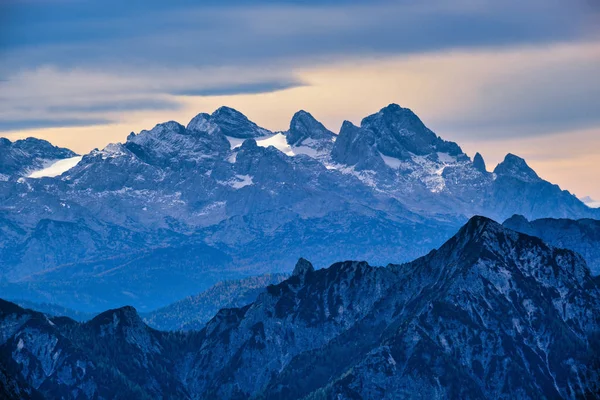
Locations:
(234, 142)
(232, 158)
(306, 150)
(244, 180)
(446, 158)
(278, 141)
(366, 176)
(56, 168)
(210, 209)
(430, 173)
(391, 162)
(238, 182)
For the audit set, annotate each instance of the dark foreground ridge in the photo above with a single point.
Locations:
(490, 314)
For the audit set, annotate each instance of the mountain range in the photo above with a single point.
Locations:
(175, 209)
(492, 313)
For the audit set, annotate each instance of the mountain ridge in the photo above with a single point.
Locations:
(492, 313)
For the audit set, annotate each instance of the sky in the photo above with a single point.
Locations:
(497, 77)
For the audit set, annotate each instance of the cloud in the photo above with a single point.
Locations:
(32, 123)
(188, 34)
(243, 88)
(49, 93)
(117, 105)
(71, 59)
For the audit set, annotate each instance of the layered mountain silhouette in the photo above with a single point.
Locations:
(176, 209)
(492, 313)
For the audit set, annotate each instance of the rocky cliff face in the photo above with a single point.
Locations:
(491, 314)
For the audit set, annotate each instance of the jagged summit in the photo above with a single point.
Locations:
(477, 227)
(235, 124)
(123, 316)
(356, 146)
(516, 167)
(402, 118)
(515, 219)
(304, 127)
(399, 132)
(302, 268)
(202, 123)
(169, 126)
(479, 163)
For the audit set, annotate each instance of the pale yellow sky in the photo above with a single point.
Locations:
(486, 101)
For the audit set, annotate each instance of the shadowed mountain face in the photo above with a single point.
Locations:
(491, 314)
(581, 236)
(176, 209)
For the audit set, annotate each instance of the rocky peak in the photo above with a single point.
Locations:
(354, 146)
(514, 221)
(516, 167)
(478, 226)
(304, 126)
(467, 245)
(400, 133)
(170, 143)
(302, 268)
(401, 121)
(113, 320)
(160, 131)
(40, 147)
(25, 155)
(203, 123)
(479, 163)
(235, 124)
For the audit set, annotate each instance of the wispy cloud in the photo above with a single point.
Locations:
(117, 105)
(243, 88)
(87, 34)
(33, 123)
